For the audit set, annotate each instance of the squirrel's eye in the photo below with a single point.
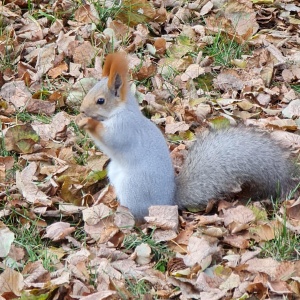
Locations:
(100, 101)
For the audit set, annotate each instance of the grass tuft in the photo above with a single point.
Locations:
(225, 49)
(161, 253)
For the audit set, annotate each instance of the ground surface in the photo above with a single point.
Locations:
(193, 65)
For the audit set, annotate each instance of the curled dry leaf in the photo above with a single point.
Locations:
(239, 214)
(58, 70)
(124, 219)
(103, 231)
(24, 182)
(279, 287)
(58, 231)
(231, 282)
(36, 275)
(95, 214)
(198, 250)
(238, 241)
(163, 216)
(193, 71)
(16, 92)
(264, 232)
(164, 235)
(173, 127)
(87, 13)
(45, 59)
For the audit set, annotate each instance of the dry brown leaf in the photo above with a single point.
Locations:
(292, 110)
(243, 18)
(7, 238)
(265, 232)
(172, 128)
(103, 295)
(205, 220)
(16, 92)
(7, 161)
(24, 182)
(164, 235)
(16, 253)
(279, 287)
(163, 216)
(11, 281)
(58, 70)
(198, 250)
(193, 71)
(45, 59)
(264, 265)
(40, 107)
(58, 231)
(291, 75)
(84, 53)
(238, 241)
(214, 231)
(229, 80)
(94, 214)
(58, 126)
(285, 271)
(124, 219)
(87, 13)
(103, 231)
(36, 275)
(239, 214)
(160, 46)
(183, 236)
(31, 30)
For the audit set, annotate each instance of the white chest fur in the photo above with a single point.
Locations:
(116, 175)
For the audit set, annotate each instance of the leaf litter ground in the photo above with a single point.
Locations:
(193, 65)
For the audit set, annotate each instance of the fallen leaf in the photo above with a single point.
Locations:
(24, 182)
(21, 138)
(163, 216)
(11, 281)
(87, 13)
(7, 238)
(58, 231)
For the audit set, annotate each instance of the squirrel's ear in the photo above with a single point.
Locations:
(116, 69)
(117, 84)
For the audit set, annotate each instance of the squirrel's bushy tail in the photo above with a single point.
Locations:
(233, 161)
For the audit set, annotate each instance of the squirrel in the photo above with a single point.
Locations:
(219, 164)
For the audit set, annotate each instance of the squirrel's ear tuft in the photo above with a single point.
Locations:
(116, 69)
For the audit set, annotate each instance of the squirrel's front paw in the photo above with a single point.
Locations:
(88, 123)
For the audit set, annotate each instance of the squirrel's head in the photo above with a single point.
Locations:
(110, 93)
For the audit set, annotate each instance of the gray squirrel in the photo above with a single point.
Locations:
(219, 164)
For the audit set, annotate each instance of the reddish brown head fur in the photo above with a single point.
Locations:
(116, 63)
